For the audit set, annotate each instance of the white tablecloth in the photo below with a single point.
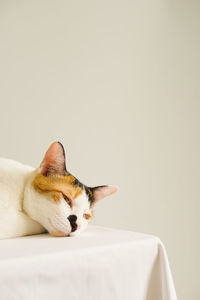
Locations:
(100, 264)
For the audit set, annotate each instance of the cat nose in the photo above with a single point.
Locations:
(72, 219)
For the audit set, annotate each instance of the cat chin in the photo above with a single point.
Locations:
(78, 232)
(75, 233)
(58, 234)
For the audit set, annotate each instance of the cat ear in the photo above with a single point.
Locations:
(54, 160)
(100, 192)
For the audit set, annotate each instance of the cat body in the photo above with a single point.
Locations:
(46, 198)
(13, 220)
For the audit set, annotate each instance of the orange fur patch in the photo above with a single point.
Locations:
(57, 185)
(87, 216)
(56, 196)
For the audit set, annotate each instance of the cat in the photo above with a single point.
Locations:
(48, 198)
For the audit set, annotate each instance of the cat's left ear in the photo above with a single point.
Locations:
(100, 192)
(54, 160)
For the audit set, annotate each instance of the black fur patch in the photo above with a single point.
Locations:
(88, 190)
(84, 187)
(89, 193)
(78, 183)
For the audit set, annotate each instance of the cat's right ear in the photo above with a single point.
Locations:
(54, 160)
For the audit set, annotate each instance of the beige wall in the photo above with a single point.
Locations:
(118, 83)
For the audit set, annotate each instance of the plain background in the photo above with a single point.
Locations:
(117, 82)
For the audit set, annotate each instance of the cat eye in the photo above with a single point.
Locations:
(69, 202)
(87, 216)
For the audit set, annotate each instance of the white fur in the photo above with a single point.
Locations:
(13, 220)
(24, 211)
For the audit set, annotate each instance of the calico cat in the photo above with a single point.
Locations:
(47, 198)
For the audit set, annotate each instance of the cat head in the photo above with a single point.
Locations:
(58, 200)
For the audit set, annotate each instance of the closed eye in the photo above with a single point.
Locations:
(69, 202)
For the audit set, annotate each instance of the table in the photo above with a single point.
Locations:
(100, 264)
